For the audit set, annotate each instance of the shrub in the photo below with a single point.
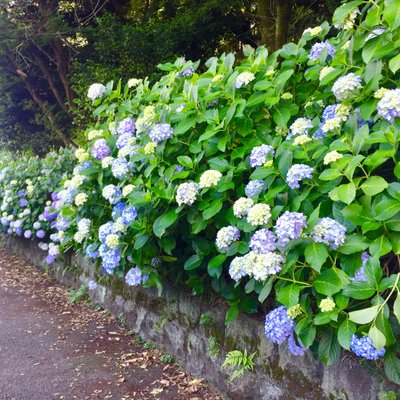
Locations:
(275, 177)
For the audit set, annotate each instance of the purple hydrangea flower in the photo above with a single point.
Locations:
(27, 234)
(360, 273)
(129, 214)
(100, 149)
(258, 156)
(318, 48)
(62, 224)
(20, 193)
(40, 234)
(389, 105)
(49, 259)
(23, 202)
(161, 132)
(296, 349)
(120, 167)
(296, 173)
(135, 277)
(263, 241)
(187, 72)
(364, 348)
(226, 236)
(254, 188)
(18, 231)
(289, 226)
(92, 285)
(329, 232)
(278, 325)
(127, 125)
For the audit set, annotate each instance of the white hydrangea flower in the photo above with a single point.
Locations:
(96, 90)
(187, 193)
(112, 241)
(81, 199)
(106, 162)
(133, 82)
(94, 134)
(242, 206)
(259, 214)
(380, 92)
(300, 127)
(79, 236)
(301, 139)
(150, 148)
(209, 178)
(244, 79)
(332, 156)
(313, 31)
(127, 190)
(331, 124)
(325, 71)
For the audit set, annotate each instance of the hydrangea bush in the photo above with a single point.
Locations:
(26, 185)
(273, 181)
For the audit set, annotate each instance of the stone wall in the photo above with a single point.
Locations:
(173, 322)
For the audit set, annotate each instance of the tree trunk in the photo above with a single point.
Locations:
(266, 22)
(283, 15)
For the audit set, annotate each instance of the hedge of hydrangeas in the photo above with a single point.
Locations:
(273, 181)
(26, 185)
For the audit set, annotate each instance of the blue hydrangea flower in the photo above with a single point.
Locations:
(106, 229)
(296, 173)
(27, 234)
(263, 241)
(161, 132)
(110, 260)
(289, 226)
(92, 285)
(100, 149)
(254, 188)
(49, 259)
(296, 349)
(318, 48)
(127, 125)
(23, 203)
(123, 140)
(389, 105)
(18, 231)
(364, 348)
(117, 210)
(278, 325)
(258, 156)
(62, 224)
(329, 232)
(91, 251)
(20, 193)
(129, 214)
(135, 277)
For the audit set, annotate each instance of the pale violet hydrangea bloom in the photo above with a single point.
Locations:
(236, 269)
(329, 232)
(226, 236)
(365, 348)
(126, 126)
(161, 132)
(100, 149)
(318, 48)
(259, 214)
(263, 241)
(96, 91)
(389, 105)
(254, 188)
(120, 168)
(187, 193)
(347, 86)
(289, 226)
(242, 206)
(92, 285)
(296, 173)
(296, 349)
(258, 156)
(360, 273)
(300, 127)
(135, 277)
(209, 178)
(244, 79)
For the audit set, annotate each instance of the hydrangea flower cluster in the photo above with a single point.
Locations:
(226, 236)
(120, 168)
(254, 188)
(318, 48)
(244, 79)
(135, 277)
(187, 72)
(363, 347)
(389, 105)
(263, 241)
(100, 149)
(187, 193)
(259, 214)
(259, 154)
(329, 232)
(296, 173)
(300, 126)
(126, 127)
(96, 90)
(360, 273)
(161, 132)
(242, 206)
(347, 86)
(289, 226)
(112, 193)
(209, 178)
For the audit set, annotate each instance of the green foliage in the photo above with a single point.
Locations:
(240, 362)
(167, 358)
(78, 296)
(206, 319)
(214, 347)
